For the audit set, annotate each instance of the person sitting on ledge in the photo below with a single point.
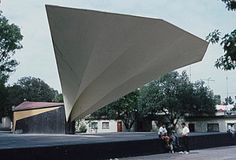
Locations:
(231, 130)
(168, 143)
(162, 130)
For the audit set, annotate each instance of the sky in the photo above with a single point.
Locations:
(199, 17)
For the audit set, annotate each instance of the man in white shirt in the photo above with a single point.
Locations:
(162, 130)
(231, 130)
(185, 133)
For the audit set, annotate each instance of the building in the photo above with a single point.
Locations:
(211, 123)
(103, 126)
(5, 124)
(220, 122)
(39, 117)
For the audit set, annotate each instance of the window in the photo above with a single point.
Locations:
(105, 125)
(213, 127)
(231, 125)
(94, 125)
(191, 127)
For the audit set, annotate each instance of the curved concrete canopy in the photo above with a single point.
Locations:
(103, 56)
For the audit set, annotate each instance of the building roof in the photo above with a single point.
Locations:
(202, 118)
(222, 108)
(103, 56)
(36, 105)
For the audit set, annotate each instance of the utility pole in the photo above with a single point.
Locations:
(208, 81)
(227, 91)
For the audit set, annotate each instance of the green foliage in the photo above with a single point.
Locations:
(217, 99)
(31, 89)
(123, 109)
(10, 38)
(59, 98)
(173, 95)
(230, 4)
(81, 127)
(3, 94)
(203, 100)
(27, 88)
(228, 43)
(228, 100)
(213, 37)
(170, 95)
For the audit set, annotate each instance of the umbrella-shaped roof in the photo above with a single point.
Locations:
(103, 56)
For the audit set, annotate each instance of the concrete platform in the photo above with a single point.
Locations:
(95, 146)
(219, 153)
(17, 141)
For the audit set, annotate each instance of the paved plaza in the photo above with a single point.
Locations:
(43, 140)
(220, 153)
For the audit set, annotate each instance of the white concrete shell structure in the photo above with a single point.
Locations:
(103, 56)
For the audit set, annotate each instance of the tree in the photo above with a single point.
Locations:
(169, 95)
(230, 4)
(30, 89)
(228, 100)
(123, 109)
(203, 100)
(228, 42)
(217, 99)
(59, 98)
(10, 38)
(3, 94)
(175, 96)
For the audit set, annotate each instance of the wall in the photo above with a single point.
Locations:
(201, 126)
(48, 122)
(112, 126)
(6, 123)
(112, 149)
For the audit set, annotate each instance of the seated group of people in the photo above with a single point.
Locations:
(171, 140)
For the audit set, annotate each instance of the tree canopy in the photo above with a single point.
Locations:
(123, 109)
(10, 37)
(230, 4)
(228, 101)
(173, 95)
(29, 89)
(228, 42)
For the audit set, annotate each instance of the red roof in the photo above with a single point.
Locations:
(36, 105)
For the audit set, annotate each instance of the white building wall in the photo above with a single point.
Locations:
(100, 128)
(201, 126)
